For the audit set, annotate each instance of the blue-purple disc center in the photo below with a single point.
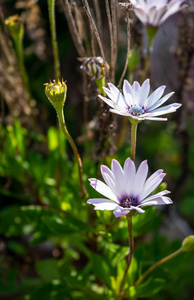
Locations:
(128, 202)
(136, 110)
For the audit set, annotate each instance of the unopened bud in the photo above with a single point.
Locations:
(188, 243)
(15, 26)
(56, 93)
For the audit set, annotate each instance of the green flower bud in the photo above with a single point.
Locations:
(15, 26)
(56, 93)
(188, 243)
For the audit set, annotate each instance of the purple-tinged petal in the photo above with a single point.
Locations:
(120, 212)
(109, 178)
(151, 16)
(129, 175)
(138, 209)
(151, 183)
(140, 178)
(103, 189)
(157, 201)
(119, 176)
(141, 14)
(102, 204)
(160, 12)
(160, 194)
(173, 7)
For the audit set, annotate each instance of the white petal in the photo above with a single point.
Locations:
(103, 189)
(157, 201)
(138, 209)
(119, 176)
(136, 89)
(118, 98)
(144, 92)
(151, 183)
(107, 101)
(155, 119)
(162, 193)
(120, 212)
(129, 174)
(153, 98)
(173, 7)
(120, 112)
(109, 178)
(140, 178)
(159, 14)
(102, 204)
(161, 101)
(128, 93)
(152, 14)
(166, 109)
(141, 14)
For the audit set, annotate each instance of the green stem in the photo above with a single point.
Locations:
(18, 40)
(159, 263)
(75, 150)
(51, 7)
(131, 247)
(133, 139)
(100, 83)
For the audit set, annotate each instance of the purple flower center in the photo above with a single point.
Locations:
(136, 110)
(129, 201)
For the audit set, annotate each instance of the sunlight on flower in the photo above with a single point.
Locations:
(135, 102)
(155, 12)
(127, 189)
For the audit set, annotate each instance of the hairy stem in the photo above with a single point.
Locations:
(75, 150)
(159, 263)
(72, 28)
(131, 247)
(51, 7)
(128, 51)
(93, 25)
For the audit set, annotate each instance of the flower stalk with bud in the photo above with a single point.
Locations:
(16, 29)
(56, 94)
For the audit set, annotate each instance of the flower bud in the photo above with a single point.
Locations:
(56, 93)
(15, 26)
(93, 66)
(188, 243)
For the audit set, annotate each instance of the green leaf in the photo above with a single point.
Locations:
(101, 269)
(48, 269)
(143, 223)
(147, 289)
(52, 138)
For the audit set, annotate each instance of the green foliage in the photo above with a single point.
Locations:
(53, 246)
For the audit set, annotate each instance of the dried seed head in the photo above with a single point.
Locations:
(93, 66)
